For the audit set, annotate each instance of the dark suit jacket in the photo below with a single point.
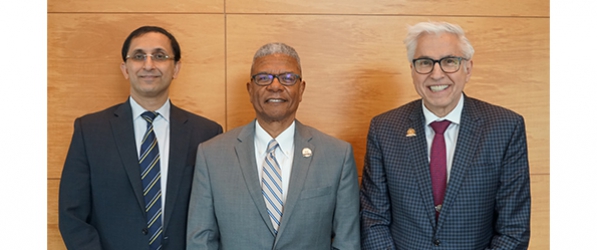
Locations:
(487, 201)
(227, 209)
(101, 201)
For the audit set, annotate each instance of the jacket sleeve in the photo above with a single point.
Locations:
(74, 202)
(513, 200)
(375, 202)
(346, 213)
(202, 227)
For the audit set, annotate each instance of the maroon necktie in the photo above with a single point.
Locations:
(437, 166)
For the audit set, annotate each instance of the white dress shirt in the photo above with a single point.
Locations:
(450, 135)
(284, 153)
(161, 128)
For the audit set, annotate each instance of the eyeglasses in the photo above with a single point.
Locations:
(286, 79)
(449, 64)
(157, 57)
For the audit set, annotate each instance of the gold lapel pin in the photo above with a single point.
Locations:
(411, 132)
(307, 152)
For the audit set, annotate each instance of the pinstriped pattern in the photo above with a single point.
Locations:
(151, 178)
(272, 185)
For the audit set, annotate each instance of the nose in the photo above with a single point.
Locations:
(275, 85)
(437, 72)
(148, 63)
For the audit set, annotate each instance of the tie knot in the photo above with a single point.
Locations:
(440, 127)
(271, 145)
(149, 116)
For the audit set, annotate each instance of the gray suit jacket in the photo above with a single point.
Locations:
(227, 209)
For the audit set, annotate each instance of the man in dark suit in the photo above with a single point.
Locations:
(127, 176)
(467, 189)
(274, 183)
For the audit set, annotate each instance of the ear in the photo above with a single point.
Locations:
(177, 67)
(468, 69)
(124, 70)
(302, 86)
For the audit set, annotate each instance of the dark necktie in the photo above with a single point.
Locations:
(437, 165)
(151, 179)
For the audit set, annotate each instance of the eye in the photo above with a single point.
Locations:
(160, 56)
(288, 78)
(262, 78)
(450, 61)
(138, 57)
(424, 62)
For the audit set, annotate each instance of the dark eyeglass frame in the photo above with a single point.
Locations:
(459, 59)
(153, 57)
(272, 76)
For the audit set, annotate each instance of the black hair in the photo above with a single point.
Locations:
(147, 29)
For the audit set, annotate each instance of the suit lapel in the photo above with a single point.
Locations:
(420, 161)
(180, 134)
(468, 138)
(298, 175)
(245, 151)
(123, 132)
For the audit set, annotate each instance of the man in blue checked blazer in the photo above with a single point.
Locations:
(486, 201)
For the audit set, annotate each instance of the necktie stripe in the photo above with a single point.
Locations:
(149, 161)
(271, 185)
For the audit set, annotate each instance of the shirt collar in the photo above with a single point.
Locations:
(285, 139)
(453, 116)
(164, 110)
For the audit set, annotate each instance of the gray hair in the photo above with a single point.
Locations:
(276, 48)
(419, 29)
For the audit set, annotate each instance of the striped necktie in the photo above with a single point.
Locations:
(271, 185)
(151, 179)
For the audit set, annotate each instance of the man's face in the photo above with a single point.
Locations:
(440, 91)
(276, 102)
(150, 78)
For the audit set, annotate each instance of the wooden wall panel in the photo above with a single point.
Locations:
(137, 6)
(84, 74)
(352, 55)
(539, 212)
(54, 238)
(356, 68)
(431, 8)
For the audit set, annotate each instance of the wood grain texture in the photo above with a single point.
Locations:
(84, 75)
(356, 68)
(513, 8)
(353, 60)
(137, 6)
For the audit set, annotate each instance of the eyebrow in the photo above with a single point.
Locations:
(153, 51)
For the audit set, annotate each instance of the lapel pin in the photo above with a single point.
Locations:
(411, 132)
(307, 152)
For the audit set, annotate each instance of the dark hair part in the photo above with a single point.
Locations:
(147, 29)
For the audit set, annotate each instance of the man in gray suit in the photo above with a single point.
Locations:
(274, 183)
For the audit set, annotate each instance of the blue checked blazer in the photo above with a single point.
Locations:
(487, 202)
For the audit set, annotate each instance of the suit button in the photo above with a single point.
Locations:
(165, 240)
(436, 242)
(145, 231)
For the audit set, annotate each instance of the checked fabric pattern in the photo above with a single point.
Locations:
(271, 185)
(151, 179)
(437, 165)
